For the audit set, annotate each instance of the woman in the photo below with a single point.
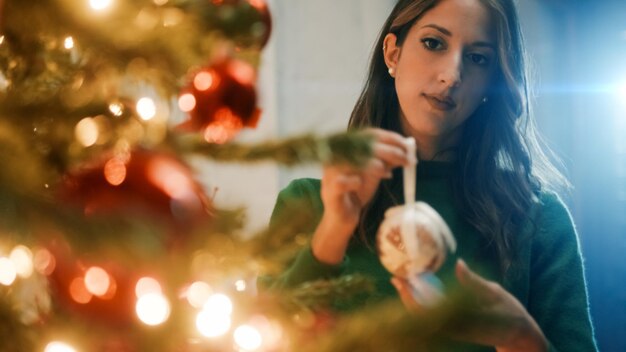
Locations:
(451, 74)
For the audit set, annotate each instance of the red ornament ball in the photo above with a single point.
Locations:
(103, 293)
(154, 186)
(221, 100)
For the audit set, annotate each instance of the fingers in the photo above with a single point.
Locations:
(404, 291)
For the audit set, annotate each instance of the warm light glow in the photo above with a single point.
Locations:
(97, 281)
(187, 102)
(86, 132)
(153, 309)
(198, 293)
(1, 39)
(248, 338)
(146, 108)
(205, 80)
(170, 177)
(44, 262)
(56, 346)
(117, 109)
(218, 304)
(79, 292)
(242, 72)
(160, 2)
(68, 43)
(240, 285)
(225, 126)
(147, 285)
(22, 259)
(212, 325)
(115, 171)
(7, 271)
(100, 4)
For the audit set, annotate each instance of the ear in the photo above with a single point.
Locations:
(391, 51)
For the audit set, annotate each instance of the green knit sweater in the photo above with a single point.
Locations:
(548, 280)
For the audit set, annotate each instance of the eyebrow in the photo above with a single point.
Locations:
(449, 34)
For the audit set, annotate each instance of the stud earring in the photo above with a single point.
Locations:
(485, 99)
(391, 71)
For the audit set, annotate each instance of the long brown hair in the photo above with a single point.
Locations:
(500, 163)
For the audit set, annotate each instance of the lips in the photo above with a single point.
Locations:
(440, 102)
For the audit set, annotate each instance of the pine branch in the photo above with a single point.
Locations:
(352, 148)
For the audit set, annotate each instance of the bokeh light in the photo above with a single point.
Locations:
(205, 80)
(97, 281)
(115, 171)
(219, 304)
(153, 309)
(211, 324)
(248, 338)
(187, 102)
(57, 346)
(198, 293)
(8, 274)
(99, 5)
(146, 109)
(147, 285)
(22, 259)
(117, 109)
(44, 261)
(68, 43)
(86, 132)
(78, 291)
(240, 285)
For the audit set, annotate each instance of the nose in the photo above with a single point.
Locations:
(450, 73)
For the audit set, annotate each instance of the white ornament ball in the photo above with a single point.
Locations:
(431, 242)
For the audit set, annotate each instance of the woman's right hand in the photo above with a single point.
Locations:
(346, 190)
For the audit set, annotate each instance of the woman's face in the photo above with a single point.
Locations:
(443, 67)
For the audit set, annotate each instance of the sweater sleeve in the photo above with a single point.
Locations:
(558, 293)
(302, 197)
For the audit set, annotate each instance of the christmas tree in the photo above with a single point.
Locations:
(109, 243)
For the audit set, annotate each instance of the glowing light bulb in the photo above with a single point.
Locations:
(212, 325)
(146, 108)
(187, 102)
(22, 259)
(240, 285)
(86, 132)
(147, 285)
(99, 5)
(153, 309)
(68, 43)
(248, 338)
(57, 346)
(8, 274)
(198, 293)
(117, 109)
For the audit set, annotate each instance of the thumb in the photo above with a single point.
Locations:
(470, 280)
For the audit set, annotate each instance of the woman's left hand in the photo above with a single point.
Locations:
(502, 322)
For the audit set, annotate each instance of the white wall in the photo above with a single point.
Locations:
(311, 74)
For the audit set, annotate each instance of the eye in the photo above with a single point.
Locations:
(433, 44)
(478, 59)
